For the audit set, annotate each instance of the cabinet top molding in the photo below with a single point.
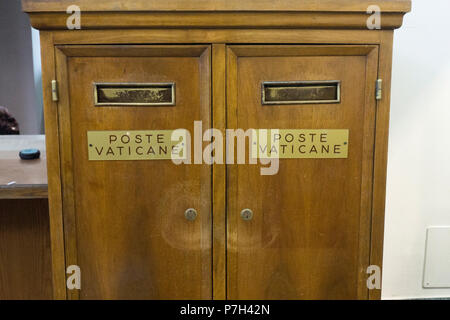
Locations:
(122, 14)
(217, 5)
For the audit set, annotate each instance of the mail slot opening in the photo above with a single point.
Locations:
(301, 92)
(134, 94)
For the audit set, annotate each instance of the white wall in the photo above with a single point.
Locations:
(418, 186)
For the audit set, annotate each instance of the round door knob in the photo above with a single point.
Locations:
(190, 214)
(246, 214)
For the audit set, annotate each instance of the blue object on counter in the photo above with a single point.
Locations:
(29, 154)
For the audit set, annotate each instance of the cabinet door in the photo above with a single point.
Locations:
(309, 237)
(124, 219)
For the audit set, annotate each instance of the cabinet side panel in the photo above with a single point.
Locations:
(380, 162)
(53, 166)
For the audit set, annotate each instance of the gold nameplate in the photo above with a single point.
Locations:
(300, 143)
(136, 145)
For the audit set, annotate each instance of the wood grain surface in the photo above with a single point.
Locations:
(25, 256)
(309, 238)
(216, 5)
(124, 221)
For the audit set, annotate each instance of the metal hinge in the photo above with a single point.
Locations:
(379, 89)
(55, 95)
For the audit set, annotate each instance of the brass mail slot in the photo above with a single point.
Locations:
(134, 94)
(301, 92)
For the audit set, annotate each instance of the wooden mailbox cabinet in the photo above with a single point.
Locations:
(141, 227)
